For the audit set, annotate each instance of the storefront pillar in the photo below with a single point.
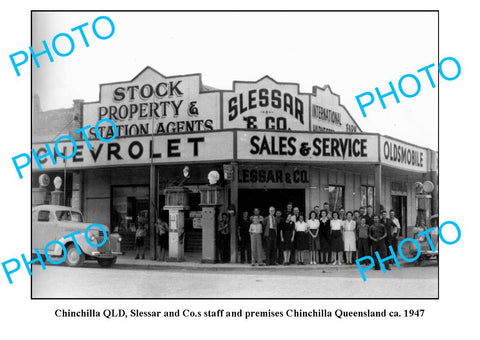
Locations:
(378, 188)
(176, 199)
(209, 201)
(77, 190)
(233, 211)
(153, 211)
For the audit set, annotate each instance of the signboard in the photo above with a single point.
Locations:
(173, 222)
(196, 217)
(284, 146)
(328, 115)
(143, 150)
(197, 223)
(265, 105)
(261, 176)
(153, 103)
(228, 172)
(402, 155)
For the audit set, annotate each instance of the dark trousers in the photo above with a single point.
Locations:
(271, 247)
(224, 247)
(363, 247)
(394, 243)
(245, 249)
(382, 251)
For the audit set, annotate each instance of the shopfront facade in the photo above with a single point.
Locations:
(270, 144)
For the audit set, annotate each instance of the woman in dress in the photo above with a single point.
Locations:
(324, 235)
(314, 239)
(287, 235)
(336, 226)
(301, 240)
(349, 239)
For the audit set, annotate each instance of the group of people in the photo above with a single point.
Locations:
(322, 237)
(161, 234)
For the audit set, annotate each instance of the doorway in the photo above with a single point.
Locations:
(399, 205)
(129, 209)
(264, 198)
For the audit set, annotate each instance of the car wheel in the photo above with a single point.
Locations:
(74, 259)
(106, 262)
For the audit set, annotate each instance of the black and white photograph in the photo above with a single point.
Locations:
(192, 170)
(208, 155)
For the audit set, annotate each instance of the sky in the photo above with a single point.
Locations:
(353, 52)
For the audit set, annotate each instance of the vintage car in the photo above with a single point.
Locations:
(53, 222)
(426, 252)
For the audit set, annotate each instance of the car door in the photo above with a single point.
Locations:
(44, 228)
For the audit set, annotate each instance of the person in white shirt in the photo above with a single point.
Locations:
(336, 237)
(301, 241)
(256, 231)
(313, 237)
(349, 238)
(395, 230)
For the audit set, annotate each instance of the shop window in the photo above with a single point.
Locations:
(336, 197)
(368, 195)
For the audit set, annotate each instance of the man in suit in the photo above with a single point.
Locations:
(270, 235)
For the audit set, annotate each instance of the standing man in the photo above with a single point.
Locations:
(317, 211)
(378, 234)
(395, 229)
(140, 235)
(361, 211)
(270, 235)
(224, 238)
(296, 212)
(280, 223)
(256, 212)
(326, 207)
(363, 238)
(244, 238)
(288, 211)
(369, 215)
(388, 227)
(161, 230)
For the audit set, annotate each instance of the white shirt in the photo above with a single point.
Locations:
(336, 224)
(300, 226)
(313, 224)
(396, 222)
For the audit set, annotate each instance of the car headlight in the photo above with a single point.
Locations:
(92, 237)
(119, 239)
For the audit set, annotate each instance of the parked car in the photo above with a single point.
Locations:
(53, 222)
(426, 252)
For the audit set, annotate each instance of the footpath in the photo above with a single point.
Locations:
(193, 262)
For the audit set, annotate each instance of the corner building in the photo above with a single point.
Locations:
(270, 143)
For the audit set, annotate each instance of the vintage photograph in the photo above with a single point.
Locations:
(223, 154)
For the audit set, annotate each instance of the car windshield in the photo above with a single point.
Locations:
(67, 215)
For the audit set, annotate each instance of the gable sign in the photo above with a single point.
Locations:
(265, 104)
(328, 115)
(153, 103)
